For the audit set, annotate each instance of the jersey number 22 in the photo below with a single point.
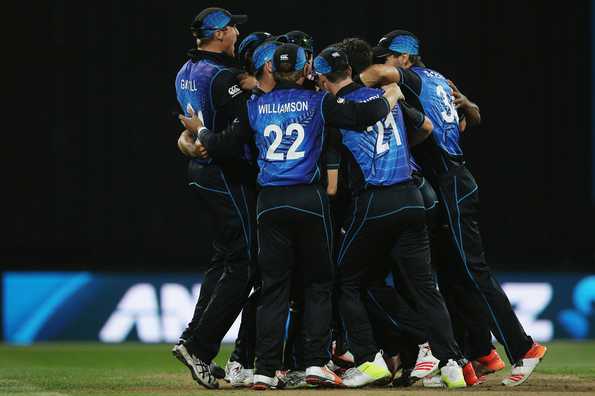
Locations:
(292, 153)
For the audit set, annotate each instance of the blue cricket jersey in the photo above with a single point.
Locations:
(194, 91)
(438, 103)
(382, 152)
(289, 134)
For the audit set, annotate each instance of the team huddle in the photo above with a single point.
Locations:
(344, 220)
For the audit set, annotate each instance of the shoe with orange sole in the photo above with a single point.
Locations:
(488, 364)
(522, 369)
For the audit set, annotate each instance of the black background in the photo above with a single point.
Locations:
(96, 182)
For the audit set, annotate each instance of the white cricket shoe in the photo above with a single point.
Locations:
(452, 375)
(522, 369)
(238, 376)
(426, 363)
(433, 381)
(294, 379)
(367, 373)
(200, 370)
(322, 376)
(262, 382)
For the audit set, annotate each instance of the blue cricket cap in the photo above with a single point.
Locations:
(291, 55)
(399, 41)
(263, 53)
(212, 19)
(330, 60)
(250, 42)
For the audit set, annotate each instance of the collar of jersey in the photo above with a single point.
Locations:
(288, 85)
(348, 88)
(218, 57)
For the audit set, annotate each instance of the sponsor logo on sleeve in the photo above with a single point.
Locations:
(234, 90)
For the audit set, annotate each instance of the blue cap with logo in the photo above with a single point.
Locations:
(331, 59)
(212, 19)
(289, 57)
(397, 41)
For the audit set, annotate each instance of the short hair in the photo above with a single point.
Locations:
(338, 75)
(414, 59)
(359, 53)
(285, 72)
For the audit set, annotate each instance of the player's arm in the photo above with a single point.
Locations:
(229, 99)
(225, 144)
(470, 111)
(380, 75)
(341, 113)
(419, 127)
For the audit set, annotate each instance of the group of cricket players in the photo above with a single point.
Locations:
(344, 222)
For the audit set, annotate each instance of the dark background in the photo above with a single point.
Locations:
(98, 183)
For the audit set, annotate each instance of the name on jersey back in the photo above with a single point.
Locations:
(290, 107)
(189, 85)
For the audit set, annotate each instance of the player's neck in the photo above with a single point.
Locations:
(266, 83)
(334, 88)
(213, 46)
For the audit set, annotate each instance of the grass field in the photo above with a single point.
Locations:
(134, 369)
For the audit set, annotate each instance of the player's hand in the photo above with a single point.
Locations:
(393, 87)
(247, 82)
(191, 147)
(200, 150)
(192, 123)
(460, 99)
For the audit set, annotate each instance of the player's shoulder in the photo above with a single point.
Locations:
(226, 83)
(428, 72)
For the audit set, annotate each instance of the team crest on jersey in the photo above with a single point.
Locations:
(340, 100)
(234, 90)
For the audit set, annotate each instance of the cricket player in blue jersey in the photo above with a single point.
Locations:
(294, 226)
(398, 328)
(388, 218)
(240, 367)
(442, 162)
(207, 86)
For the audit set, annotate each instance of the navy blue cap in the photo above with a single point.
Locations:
(399, 41)
(330, 60)
(212, 19)
(289, 54)
(300, 38)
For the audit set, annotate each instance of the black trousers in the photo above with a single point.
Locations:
(397, 327)
(295, 239)
(475, 293)
(390, 221)
(231, 206)
(245, 344)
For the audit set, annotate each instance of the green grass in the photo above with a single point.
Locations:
(96, 369)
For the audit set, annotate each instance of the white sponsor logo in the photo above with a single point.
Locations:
(161, 314)
(155, 319)
(529, 300)
(335, 55)
(234, 90)
(284, 57)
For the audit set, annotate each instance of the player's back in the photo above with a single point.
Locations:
(382, 152)
(193, 89)
(437, 100)
(289, 134)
